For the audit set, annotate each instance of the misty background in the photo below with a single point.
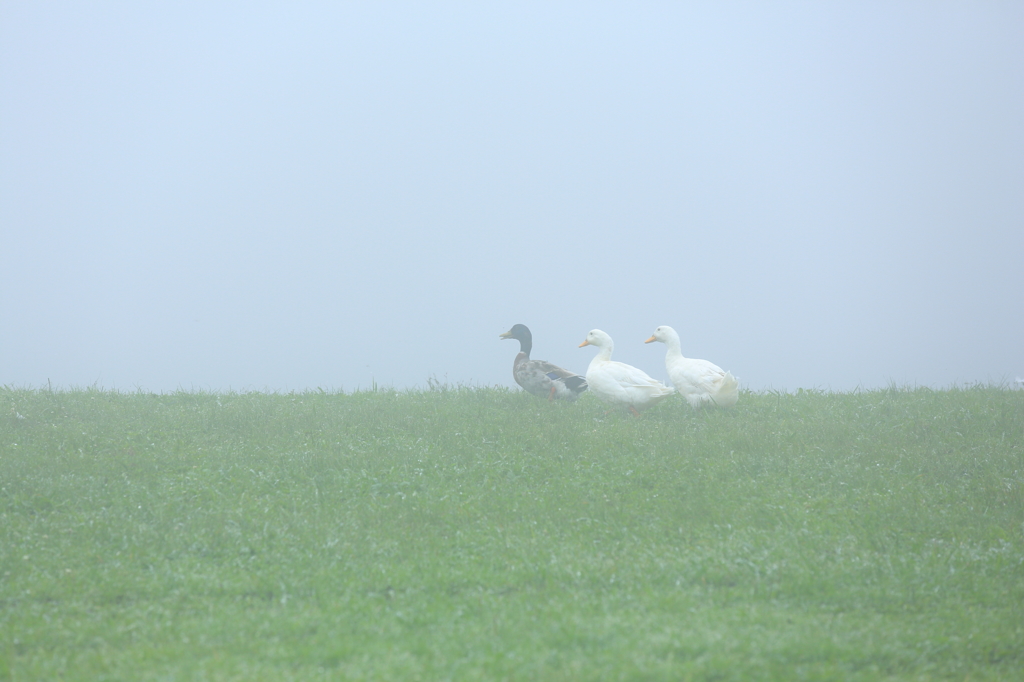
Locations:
(235, 196)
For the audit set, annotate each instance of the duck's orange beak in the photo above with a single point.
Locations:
(585, 343)
(651, 340)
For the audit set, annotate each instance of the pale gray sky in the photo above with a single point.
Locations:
(277, 196)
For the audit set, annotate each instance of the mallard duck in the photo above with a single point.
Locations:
(539, 377)
(618, 383)
(699, 381)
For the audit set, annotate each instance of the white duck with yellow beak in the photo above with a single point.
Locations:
(699, 381)
(620, 384)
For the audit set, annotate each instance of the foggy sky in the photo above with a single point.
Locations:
(215, 196)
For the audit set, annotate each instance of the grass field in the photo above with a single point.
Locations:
(483, 534)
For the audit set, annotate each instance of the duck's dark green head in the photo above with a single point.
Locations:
(521, 333)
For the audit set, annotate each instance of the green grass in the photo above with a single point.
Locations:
(484, 534)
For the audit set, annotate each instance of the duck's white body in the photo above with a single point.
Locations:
(617, 383)
(699, 381)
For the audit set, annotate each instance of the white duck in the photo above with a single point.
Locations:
(618, 383)
(699, 381)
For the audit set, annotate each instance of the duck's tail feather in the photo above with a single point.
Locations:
(728, 391)
(576, 383)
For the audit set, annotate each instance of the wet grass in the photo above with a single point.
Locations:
(483, 534)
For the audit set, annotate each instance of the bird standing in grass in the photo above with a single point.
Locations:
(539, 377)
(699, 381)
(620, 384)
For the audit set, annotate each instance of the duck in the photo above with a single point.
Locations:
(539, 377)
(700, 382)
(617, 383)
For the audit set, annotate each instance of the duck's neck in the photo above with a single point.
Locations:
(674, 350)
(604, 353)
(525, 346)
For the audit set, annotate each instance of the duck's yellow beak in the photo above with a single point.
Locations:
(651, 340)
(585, 343)
(506, 335)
